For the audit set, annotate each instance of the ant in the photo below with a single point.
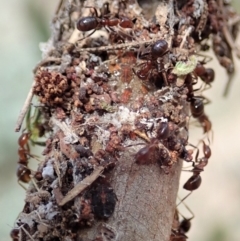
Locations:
(96, 22)
(195, 180)
(154, 152)
(185, 224)
(205, 123)
(23, 172)
(224, 55)
(180, 228)
(158, 50)
(207, 75)
(197, 105)
(202, 162)
(146, 155)
(14, 234)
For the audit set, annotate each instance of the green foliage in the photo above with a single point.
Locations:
(218, 234)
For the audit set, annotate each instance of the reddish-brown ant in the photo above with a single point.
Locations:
(96, 22)
(14, 234)
(202, 162)
(23, 173)
(154, 152)
(195, 180)
(180, 228)
(158, 49)
(205, 123)
(185, 224)
(207, 75)
(146, 155)
(223, 53)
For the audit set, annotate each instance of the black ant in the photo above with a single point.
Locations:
(158, 49)
(96, 22)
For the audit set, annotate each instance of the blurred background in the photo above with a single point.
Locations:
(216, 204)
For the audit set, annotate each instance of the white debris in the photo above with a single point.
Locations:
(48, 171)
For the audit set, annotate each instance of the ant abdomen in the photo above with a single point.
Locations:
(193, 182)
(87, 23)
(144, 155)
(208, 76)
(159, 48)
(197, 107)
(14, 234)
(23, 173)
(185, 225)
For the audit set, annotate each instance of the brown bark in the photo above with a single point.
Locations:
(146, 200)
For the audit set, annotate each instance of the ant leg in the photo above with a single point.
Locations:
(27, 233)
(227, 87)
(185, 224)
(165, 78)
(123, 33)
(88, 35)
(140, 50)
(195, 147)
(206, 58)
(184, 198)
(34, 157)
(160, 69)
(34, 183)
(94, 9)
(22, 185)
(105, 9)
(206, 100)
(39, 143)
(141, 76)
(186, 206)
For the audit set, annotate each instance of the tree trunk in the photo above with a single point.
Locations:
(115, 107)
